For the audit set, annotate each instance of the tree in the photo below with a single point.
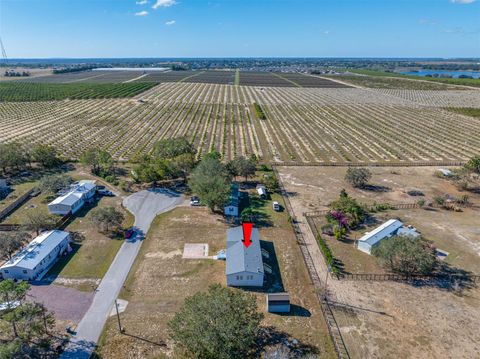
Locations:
(37, 221)
(107, 217)
(406, 255)
(172, 147)
(473, 164)
(271, 183)
(100, 161)
(219, 324)
(213, 154)
(358, 177)
(30, 322)
(54, 183)
(12, 155)
(183, 164)
(11, 242)
(354, 212)
(243, 167)
(210, 180)
(45, 155)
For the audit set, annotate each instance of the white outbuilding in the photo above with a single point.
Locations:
(33, 261)
(74, 199)
(388, 229)
(244, 265)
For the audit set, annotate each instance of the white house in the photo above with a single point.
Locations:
(244, 265)
(32, 262)
(72, 201)
(388, 229)
(232, 207)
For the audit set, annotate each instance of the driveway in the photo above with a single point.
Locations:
(145, 206)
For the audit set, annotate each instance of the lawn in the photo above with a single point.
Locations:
(16, 191)
(90, 258)
(160, 281)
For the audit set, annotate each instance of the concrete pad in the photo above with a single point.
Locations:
(195, 250)
(122, 306)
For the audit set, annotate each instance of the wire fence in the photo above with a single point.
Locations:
(332, 325)
(368, 164)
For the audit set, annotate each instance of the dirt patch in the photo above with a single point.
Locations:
(392, 320)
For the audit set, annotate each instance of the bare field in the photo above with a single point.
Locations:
(305, 125)
(392, 320)
(161, 280)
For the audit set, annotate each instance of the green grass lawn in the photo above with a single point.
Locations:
(17, 191)
(91, 258)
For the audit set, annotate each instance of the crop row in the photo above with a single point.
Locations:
(308, 125)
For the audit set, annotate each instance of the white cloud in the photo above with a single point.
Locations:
(455, 30)
(427, 22)
(170, 23)
(462, 1)
(141, 13)
(142, 2)
(163, 3)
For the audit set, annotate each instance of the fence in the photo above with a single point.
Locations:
(369, 164)
(17, 203)
(332, 325)
(374, 277)
(473, 278)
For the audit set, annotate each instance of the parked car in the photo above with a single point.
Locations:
(276, 206)
(194, 201)
(106, 193)
(129, 233)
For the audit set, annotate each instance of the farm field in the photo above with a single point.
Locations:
(384, 82)
(464, 98)
(427, 321)
(26, 91)
(87, 77)
(305, 125)
(161, 280)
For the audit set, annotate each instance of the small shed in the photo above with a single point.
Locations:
(262, 191)
(278, 303)
(232, 207)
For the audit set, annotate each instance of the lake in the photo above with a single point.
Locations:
(474, 74)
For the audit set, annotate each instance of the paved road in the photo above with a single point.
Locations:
(145, 205)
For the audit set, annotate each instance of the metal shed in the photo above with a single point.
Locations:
(278, 302)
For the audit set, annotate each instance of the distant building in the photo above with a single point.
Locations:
(244, 265)
(32, 262)
(278, 303)
(232, 207)
(72, 201)
(392, 227)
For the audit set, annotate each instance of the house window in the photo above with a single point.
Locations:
(24, 271)
(5, 271)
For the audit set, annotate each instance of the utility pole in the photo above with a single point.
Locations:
(122, 330)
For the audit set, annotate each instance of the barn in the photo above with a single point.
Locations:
(388, 229)
(244, 265)
(33, 261)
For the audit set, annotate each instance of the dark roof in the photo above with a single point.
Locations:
(240, 258)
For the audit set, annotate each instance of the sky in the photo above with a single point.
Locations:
(240, 28)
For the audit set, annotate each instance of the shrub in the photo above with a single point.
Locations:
(406, 255)
(358, 177)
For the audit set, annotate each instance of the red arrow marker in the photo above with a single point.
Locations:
(247, 233)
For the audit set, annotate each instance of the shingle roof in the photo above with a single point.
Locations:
(241, 258)
(37, 250)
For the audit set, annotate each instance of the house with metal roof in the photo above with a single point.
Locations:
(74, 199)
(33, 261)
(232, 207)
(392, 227)
(244, 265)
